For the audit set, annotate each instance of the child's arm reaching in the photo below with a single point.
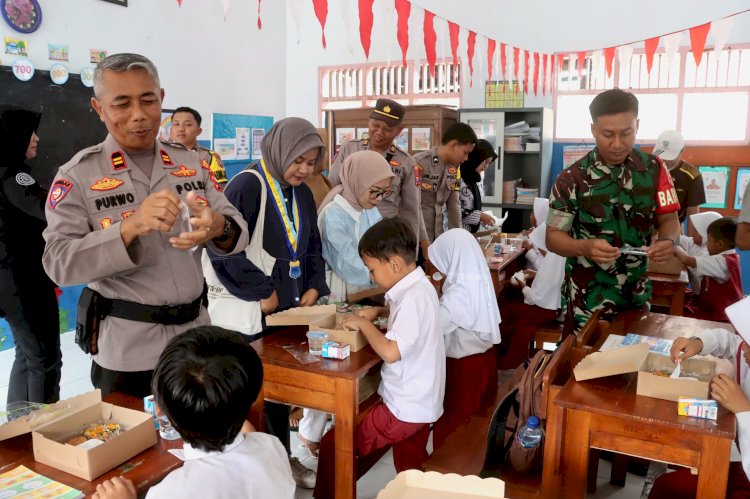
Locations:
(718, 342)
(385, 348)
(687, 260)
(373, 313)
(115, 488)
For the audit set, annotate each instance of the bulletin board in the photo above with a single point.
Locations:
(236, 138)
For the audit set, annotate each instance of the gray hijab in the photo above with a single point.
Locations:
(287, 140)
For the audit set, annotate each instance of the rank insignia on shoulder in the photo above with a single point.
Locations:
(105, 222)
(165, 158)
(127, 214)
(204, 165)
(201, 201)
(118, 161)
(393, 162)
(183, 171)
(107, 184)
(59, 190)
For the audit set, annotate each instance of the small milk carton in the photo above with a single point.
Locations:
(335, 350)
(697, 408)
(149, 406)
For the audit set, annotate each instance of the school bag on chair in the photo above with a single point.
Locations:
(225, 309)
(529, 398)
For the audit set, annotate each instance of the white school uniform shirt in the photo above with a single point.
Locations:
(254, 465)
(413, 387)
(725, 344)
(713, 266)
(545, 290)
(534, 259)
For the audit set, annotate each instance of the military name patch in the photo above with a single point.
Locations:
(107, 184)
(118, 161)
(165, 158)
(194, 185)
(25, 179)
(59, 190)
(114, 200)
(183, 171)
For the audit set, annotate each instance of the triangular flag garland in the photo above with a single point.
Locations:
(453, 34)
(179, 3)
(430, 38)
(403, 10)
(526, 72)
(671, 46)
(536, 72)
(609, 58)
(698, 37)
(650, 47)
(490, 57)
(471, 40)
(225, 6)
(720, 33)
(260, 24)
(365, 25)
(544, 73)
(504, 60)
(581, 61)
(516, 62)
(321, 12)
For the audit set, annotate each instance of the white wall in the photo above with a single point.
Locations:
(550, 26)
(204, 61)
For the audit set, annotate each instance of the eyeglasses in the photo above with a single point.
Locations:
(379, 194)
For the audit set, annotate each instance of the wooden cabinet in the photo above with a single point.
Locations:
(423, 126)
(531, 166)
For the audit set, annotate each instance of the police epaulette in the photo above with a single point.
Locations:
(81, 155)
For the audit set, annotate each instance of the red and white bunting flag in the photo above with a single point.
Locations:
(490, 57)
(365, 25)
(321, 12)
(671, 46)
(470, 43)
(720, 31)
(650, 47)
(698, 35)
(430, 39)
(609, 58)
(403, 10)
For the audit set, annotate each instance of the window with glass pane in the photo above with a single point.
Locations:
(573, 118)
(656, 113)
(715, 116)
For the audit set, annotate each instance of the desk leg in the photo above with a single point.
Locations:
(678, 301)
(347, 397)
(713, 469)
(575, 459)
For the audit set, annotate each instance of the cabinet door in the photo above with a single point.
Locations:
(490, 127)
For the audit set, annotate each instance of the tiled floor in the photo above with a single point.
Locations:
(75, 380)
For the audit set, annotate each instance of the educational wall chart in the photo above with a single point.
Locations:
(258, 134)
(715, 184)
(243, 143)
(743, 179)
(571, 154)
(236, 137)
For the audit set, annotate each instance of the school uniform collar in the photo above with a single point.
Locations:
(195, 453)
(731, 251)
(397, 291)
(348, 209)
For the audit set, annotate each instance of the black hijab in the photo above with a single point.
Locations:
(16, 127)
(482, 150)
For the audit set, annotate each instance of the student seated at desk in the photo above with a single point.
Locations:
(697, 246)
(732, 396)
(718, 272)
(413, 351)
(534, 254)
(470, 322)
(541, 302)
(205, 382)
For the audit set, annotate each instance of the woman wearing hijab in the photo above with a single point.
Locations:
(534, 252)
(471, 186)
(345, 214)
(290, 151)
(471, 326)
(27, 296)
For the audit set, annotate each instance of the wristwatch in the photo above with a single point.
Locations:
(227, 229)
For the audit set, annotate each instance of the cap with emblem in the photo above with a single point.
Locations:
(389, 111)
(669, 144)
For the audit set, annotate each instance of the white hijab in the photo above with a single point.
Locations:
(541, 208)
(702, 220)
(538, 237)
(468, 295)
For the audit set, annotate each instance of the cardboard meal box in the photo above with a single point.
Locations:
(415, 484)
(672, 266)
(355, 339)
(637, 358)
(51, 427)
(301, 316)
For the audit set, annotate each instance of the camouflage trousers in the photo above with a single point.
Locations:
(611, 288)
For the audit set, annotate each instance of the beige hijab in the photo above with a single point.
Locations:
(360, 171)
(287, 140)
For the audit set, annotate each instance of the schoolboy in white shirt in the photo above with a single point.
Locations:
(205, 382)
(413, 351)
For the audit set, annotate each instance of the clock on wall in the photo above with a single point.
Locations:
(24, 16)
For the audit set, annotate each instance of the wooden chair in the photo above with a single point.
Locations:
(547, 334)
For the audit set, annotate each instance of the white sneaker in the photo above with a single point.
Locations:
(303, 476)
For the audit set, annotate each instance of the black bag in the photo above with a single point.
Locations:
(88, 320)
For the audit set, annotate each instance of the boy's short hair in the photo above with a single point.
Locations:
(190, 110)
(723, 230)
(205, 382)
(461, 133)
(613, 101)
(387, 238)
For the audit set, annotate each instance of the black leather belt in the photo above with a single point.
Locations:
(158, 314)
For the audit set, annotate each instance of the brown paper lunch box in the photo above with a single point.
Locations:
(356, 340)
(415, 484)
(637, 358)
(301, 316)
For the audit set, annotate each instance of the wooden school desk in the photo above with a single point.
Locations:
(669, 291)
(502, 271)
(145, 470)
(329, 385)
(607, 414)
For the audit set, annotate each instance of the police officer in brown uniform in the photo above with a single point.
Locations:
(116, 220)
(437, 170)
(384, 126)
(185, 129)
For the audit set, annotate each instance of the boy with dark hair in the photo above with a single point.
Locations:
(185, 129)
(413, 351)
(205, 382)
(437, 176)
(718, 273)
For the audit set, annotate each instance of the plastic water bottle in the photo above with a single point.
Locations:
(530, 435)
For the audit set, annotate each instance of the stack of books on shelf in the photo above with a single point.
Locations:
(509, 190)
(526, 195)
(521, 137)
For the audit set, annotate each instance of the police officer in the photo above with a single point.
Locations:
(437, 170)
(27, 296)
(384, 126)
(611, 199)
(117, 220)
(185, 129)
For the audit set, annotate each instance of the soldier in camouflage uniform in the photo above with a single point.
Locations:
(613, 197)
